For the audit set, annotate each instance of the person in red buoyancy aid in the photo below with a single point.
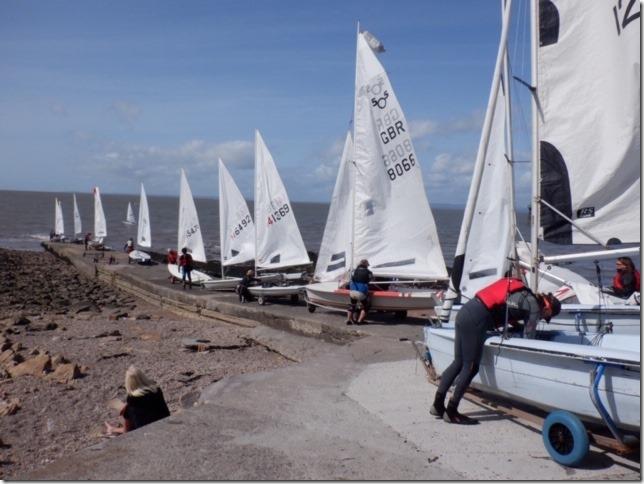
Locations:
(185, 264)
(486, 311)
(627, 279)
(171, 258)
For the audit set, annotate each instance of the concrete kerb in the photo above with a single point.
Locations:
(199, 305)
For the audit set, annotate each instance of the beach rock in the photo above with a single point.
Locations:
(17, 346)
(34, 366)
(143, 316)
(58, 360)
(9, 357)
(118, 314)
(190, 399)
(21, 321)
(81, 307)
(65, 373)
(50, 326)
(9, 407)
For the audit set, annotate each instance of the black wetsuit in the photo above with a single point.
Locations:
(472, 323)
(242, 288)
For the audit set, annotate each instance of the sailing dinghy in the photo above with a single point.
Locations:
(590, 184)
(129, 217)
(143, 231)
(593, 376)
(189, 234)
(236, 230)
(78, 227)
(379, 210)
(100, 224)
(59, 224)
(278, 242)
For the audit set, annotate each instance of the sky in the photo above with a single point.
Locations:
(113, 93)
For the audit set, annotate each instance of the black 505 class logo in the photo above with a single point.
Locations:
(381, 102)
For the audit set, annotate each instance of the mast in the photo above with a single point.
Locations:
(452, 292)
(535, 219)
(255, 203)
(353, 162)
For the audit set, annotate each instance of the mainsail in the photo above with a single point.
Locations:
(334, 259)
(100, 225)
(236, 228)
(59, 225)
(589, 120)
(129, 218)
(393, 225)
(278, 242)
(78, 228)
(189, 235)
(143, 232)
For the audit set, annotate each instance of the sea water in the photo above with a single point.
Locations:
(28, 217)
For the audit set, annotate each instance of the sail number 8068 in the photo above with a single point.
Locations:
(399, 169)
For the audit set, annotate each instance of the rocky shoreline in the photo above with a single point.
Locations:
(65, 343)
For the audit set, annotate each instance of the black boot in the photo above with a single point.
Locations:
(451, 415)
(438, 407)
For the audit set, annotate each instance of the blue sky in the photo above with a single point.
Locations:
(117, 92)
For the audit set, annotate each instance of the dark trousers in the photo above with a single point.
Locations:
(472, 322)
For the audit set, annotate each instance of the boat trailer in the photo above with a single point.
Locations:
(565, 437)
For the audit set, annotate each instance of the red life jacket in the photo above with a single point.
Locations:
(496, 293)
(619, 287)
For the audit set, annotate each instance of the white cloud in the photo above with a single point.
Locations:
(126, 111)
(58, 108)
(470, 123)
(451, 170)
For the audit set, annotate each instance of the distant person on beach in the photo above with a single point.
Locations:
(52, 234)
(359, 293)
(185, 265)
(488, 309)
(144, 403)
(129, 245)
(249, 279)
(171, 258)
(626, 280)
(86, 239)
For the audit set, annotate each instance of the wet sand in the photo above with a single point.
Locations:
(78, 337)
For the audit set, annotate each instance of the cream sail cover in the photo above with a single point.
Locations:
(278, 242)
(236, 228)
(394, 226)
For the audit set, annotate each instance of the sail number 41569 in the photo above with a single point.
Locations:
(278, 214)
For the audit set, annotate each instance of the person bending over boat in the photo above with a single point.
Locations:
(144, 403)
(507, 297)
(626, 280)
(242, 288)
(359, 293)
(185, 265)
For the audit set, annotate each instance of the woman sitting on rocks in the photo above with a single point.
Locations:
(144, 404)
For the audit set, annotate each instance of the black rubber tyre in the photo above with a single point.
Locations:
(261, 301)
(401, 314)
(295, 298)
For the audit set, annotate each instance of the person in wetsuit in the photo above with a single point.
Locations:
(249, 279)
(486, 311)
(359, 293)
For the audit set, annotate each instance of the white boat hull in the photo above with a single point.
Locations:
(327, 294)
(587, 318)
(139, 256)
(226, 284)
(276, 291)
(554, 375)
(198, 277)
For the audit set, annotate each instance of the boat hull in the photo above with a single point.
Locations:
(198, 277)
(139, 256)
(327, 294)
(276, 291)
(554, 375)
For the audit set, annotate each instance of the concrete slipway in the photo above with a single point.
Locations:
(355, 407)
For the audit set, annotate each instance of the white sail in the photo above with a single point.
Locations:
(59, 225)
(129, 218)
(589, 124)
(491, 235)
(236, 228)
(334, 259)
(78, 227)
(143, 232)
(394, 226)
(100, 225)
(189, 229)
(278, 242)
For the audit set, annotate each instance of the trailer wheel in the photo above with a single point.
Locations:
(295, 298)
(565, 438)
(400, 314)
(261, 301)
(310, 307)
